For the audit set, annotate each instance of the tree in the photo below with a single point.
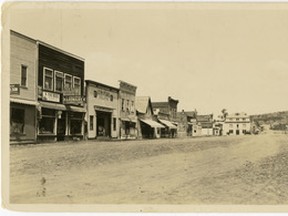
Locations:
(224, 112)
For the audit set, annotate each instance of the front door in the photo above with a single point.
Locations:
(61, 127)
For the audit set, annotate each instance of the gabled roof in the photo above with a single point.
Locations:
(142, 103)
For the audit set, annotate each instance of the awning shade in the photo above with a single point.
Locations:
(53, 106)
(129, 119)
(152, 123)
(76, 109)
(21, 101)
(168, 124)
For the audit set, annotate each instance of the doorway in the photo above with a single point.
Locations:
(103, 128)
(61, 129)
(237, 132)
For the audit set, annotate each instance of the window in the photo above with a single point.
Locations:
(231, 131)
(59, 79)
(17, 121)
(111, 97)
(114, 124)
(127, 106)
(123, 105)
(237, 119)
(47, 122)
(48, 79)
(132, 106)
(77, 85)
(244, 131)
(91, 122)
(24, 75)
(244, 119)
(231, 125)
(76, 123)
(95, 94)
(67, 82)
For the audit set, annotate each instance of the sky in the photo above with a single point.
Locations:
(207, 56)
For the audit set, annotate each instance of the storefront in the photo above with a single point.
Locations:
(58, 122)
(169, 130)
(22, 121)
(128, 128)
(150, 128)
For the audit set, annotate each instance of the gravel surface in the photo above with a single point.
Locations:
(209, 170)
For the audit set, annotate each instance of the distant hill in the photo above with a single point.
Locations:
(276, 120)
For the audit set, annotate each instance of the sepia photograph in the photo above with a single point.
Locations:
(150, 107)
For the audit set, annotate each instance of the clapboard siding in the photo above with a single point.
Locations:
(59, 61)
(23, 51)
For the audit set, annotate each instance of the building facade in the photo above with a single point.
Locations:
(237, 124)
(60, 94)
(188, 126)
(169, 109)
(127, 112)
(147, 125)
(102, 110)
(207, 124)
(23, 88)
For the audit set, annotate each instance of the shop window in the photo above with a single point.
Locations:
(17, 121)
(67, 82)
(114, 124)
(75, 126)
(48, 79)
(231, 131)
(24, 70)
(91, 121)
(77, 85)
(76, 123)
(47, 122)
(59, 80)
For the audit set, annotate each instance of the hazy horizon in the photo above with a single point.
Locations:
(209, 58)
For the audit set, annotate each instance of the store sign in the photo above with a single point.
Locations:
(104, 95)
(50, 96)
(72, 99)
(15, 89)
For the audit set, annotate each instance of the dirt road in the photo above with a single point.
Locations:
(213, 170)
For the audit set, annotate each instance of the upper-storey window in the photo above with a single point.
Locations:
(48, 79)
(59, 80)
(67, 82)
(24, 70)
(123, 105)
(77, 85)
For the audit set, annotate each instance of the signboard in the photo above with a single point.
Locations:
(15, 89)
(72, 99)
(50, 96)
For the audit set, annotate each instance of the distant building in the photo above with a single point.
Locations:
(188, 125)
(236, 124)
(168, 111)
(102, 110)
(206, 122)
(147, 124)
(127, 112)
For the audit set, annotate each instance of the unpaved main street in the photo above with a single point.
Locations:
(213, 170)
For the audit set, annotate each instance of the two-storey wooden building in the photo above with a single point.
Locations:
(60, 94)
(23, 88)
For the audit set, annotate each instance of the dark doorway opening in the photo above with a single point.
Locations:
(61, 127)
(103, 124)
